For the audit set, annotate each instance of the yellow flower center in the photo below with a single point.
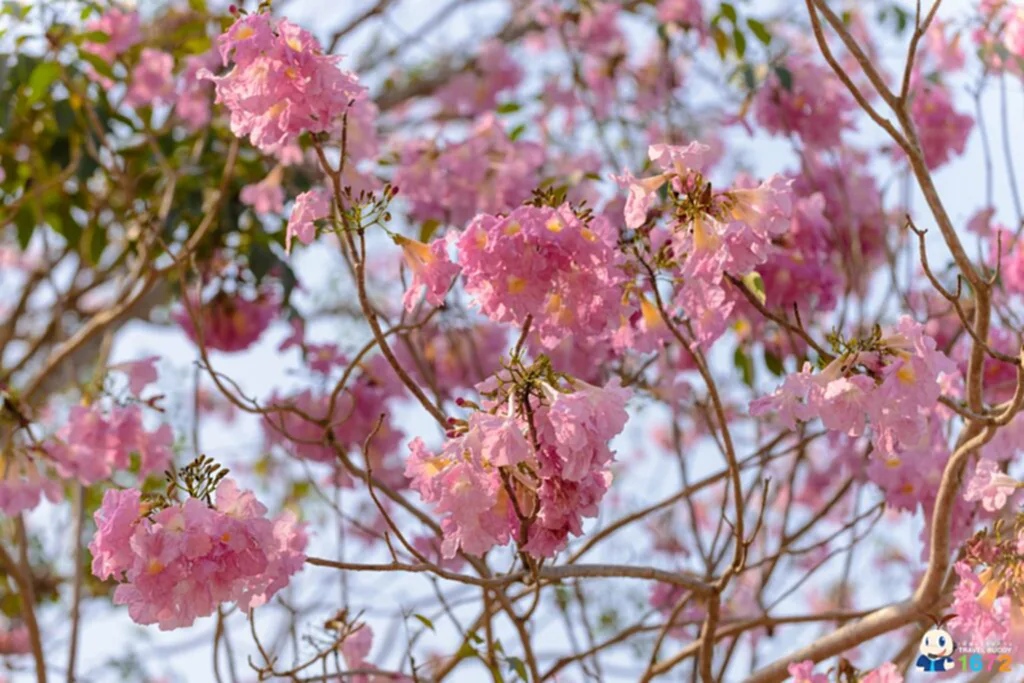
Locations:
(516, 284)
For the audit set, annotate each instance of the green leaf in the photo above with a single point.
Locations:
(41, 79)
(755, 284)
(517, 132)
(746, 366)
(741, 43)
(760, 30)
(101, 67)
(26, 222)
(774, 364)
(98, 37)
(729, 12)
(426, 622)
(518, 667)
(94, 241)
(749, 79)
(721, 41)
(428, 229)
(785, 77)
(509, 107)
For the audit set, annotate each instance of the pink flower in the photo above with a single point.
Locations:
(309, 206)
(567, 475)
(431, 268)
(281, 83)
(548, 264)
(811, 103)
(974, 621)
(475, 92)
(115, 525)
(502, 442)
(22, 485)
(229, 322)
(356, 647)
(803, 672)
(990, 485)
(266, 196)
(151, 81)
(123, 29)
(141, 373)
(887, 673)
(685, 12)
(14, 641)
(179, 564)
(947, 52)
(844, 404)
(95, 443)
(942, 130)
(484, 173)
(193, 99)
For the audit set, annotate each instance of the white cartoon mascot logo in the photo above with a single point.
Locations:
(936, 647)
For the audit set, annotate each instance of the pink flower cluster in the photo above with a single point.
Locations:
(800, 269)
(180, 563)
(812, 104)
(471, 93)
(485, 173)
(123, 29)
(990, 485)
(22, 485)
(192, 104)
(897, 399)
(281, 83)
(94, 443)
(1000, 36)
(976, 620)
(942, 130)
(546, 263)
(731, 235)
(152, 81)
(229, 322)
(852, 207)
(291, 422)
(563, 479)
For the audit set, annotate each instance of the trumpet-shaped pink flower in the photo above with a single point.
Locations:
(990, 485)
(431, 268)
(182, 562)
(309, 207)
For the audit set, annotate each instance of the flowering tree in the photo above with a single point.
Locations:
(522, 368)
